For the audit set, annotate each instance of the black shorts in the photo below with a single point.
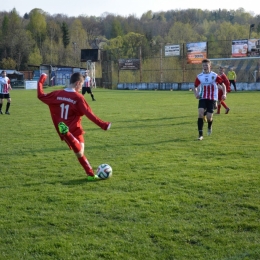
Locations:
(86, 89)
(2, 96)
(207, 104)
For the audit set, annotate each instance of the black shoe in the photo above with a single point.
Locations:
(1, 112)
(93, 99)
(7, 113)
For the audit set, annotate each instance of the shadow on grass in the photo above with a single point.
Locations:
(74, 182)
(78, 182)
(152, 119)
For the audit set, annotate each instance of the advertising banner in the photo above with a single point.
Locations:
(129, 64)
(172, 50)
(253, 48)
(239, 48)
(196, 52)
(30, 84)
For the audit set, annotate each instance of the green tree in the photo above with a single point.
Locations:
(183, 33)
(8, 63)
(65, 35)
(5, 25)
(116, 29)
(37, 26)
(79, 40)
(147, 16)
(115, 43)
(15, 41)
(35, 57)
(78, 34)
(53, 43)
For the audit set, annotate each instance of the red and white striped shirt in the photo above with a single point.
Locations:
(87, 81)
(208, 83)
(4, 85)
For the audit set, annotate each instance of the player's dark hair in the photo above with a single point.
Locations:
(76, 77)
(206, 61)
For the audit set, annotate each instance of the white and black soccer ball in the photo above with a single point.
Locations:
(104, 171)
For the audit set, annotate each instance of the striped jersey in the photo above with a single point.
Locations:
(4, 83)
(208, 83)
(87, 81)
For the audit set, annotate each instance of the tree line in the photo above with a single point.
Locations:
(40, 38)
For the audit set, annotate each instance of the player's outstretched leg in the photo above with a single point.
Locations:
(76, 147)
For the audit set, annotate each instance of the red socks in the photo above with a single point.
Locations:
(218, 111)
(224, 104)
(76, 147)
(85, 164)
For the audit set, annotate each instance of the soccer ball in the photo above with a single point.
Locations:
(104, 171)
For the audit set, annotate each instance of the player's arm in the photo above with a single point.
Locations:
(196, 89)
(9, 85)
(90, 115)
(40, 84)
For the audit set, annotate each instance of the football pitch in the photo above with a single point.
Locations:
(171, 197)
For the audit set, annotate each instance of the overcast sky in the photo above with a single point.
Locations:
(123, 7)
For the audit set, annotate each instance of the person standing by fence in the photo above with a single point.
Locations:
(232, 77)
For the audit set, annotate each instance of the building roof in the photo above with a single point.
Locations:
(12, 72)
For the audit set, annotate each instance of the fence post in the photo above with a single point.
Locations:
(183, 63)
(161, 73)
(140, 57)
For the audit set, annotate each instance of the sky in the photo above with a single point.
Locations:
(123, 7)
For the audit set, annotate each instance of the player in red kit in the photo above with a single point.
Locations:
(220, 92)
(207, 94)
(67, 106)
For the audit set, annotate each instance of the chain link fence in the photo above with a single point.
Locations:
(158, 68)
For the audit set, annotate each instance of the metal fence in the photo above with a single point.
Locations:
(164, 69)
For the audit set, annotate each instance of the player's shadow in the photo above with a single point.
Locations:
(33, 151)
(74, 182)
(77, 182)
(151, 119)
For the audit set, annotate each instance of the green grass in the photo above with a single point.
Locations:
(170, 197)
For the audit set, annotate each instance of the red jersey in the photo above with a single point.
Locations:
(226, 81)
(69, 106)
(208, 83)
